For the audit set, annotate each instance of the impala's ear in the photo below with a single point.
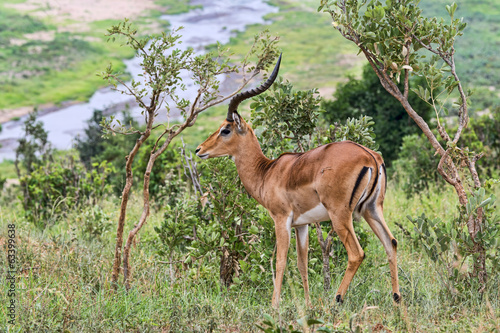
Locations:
(239, 123)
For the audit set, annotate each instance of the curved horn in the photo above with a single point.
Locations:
(236, 100)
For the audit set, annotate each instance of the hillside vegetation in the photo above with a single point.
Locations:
(59, 64)
(46, 60)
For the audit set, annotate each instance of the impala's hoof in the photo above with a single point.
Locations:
(339, 299)
(397, 297)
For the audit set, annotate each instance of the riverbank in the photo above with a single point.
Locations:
(53, 50)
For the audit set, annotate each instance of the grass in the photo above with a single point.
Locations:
(54, 86)
(7, 170)
(313, 54)
(64, 284)
(176, 6)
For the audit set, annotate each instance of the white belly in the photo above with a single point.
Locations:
(317, 214)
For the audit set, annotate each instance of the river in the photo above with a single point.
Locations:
(217, 20)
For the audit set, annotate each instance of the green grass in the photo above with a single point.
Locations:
(176, 6)
(77, 83)
(313, 54)
(7, 170)
(64, 283)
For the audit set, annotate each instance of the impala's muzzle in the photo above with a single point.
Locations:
(202, 156)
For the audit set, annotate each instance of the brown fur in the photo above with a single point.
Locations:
(292, 186)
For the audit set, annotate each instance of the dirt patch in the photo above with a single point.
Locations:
(60, 11)
(327, 92)
(9, 114)
(44, 36)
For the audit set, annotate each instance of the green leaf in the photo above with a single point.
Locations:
(254, 230)
(312, 321)
(485, 202)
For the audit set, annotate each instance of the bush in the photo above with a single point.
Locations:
(450, 246)
(285, 119)
(95, 223)
(53, 188)
(34, 148)
(416, 167)
(95, 148)
(358, 130)
(226, 223)
(483, 134)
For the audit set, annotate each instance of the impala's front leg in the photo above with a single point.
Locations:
(282, 227)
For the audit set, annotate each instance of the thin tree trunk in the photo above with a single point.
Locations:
(325, 245)
(145, 210)
(123, 207)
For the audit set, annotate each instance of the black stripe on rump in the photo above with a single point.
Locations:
(385, 175)
(358, 181)
(374, 160)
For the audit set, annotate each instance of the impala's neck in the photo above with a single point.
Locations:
(251, 165)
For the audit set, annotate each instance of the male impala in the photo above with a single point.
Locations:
(330, 182)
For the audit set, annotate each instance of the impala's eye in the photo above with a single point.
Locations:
(225, 132)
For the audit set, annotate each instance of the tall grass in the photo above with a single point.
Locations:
(64, 283)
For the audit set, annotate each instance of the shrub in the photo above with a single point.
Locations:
(358, 130)
(285, 119)
(416, 167)
(55, 187)
(226, 223)
(34, 148)
(449, 245)
(95, 222)
(483, 134)
(94, 148)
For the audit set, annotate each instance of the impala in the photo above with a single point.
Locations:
(331, 182)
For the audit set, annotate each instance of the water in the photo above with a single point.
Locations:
(216, 21)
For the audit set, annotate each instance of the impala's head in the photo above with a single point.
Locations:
(233, 131)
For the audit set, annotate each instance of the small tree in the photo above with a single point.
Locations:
(161, 80)
(395, 37)
(34, 148)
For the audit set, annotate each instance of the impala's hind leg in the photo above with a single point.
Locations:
(342, 224)
(373, 214)
(302, 233)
